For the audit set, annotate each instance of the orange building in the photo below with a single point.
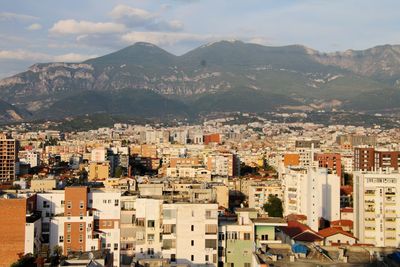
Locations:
(291, 160)
(212, 138)
(14, 221)
(331, 161)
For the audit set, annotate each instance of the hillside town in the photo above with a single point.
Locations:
(213, 194)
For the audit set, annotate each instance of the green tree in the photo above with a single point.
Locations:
(119, 170)
(274, 206)
(27, 260)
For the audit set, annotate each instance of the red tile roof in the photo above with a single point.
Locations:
(327, 232)
(300, 232)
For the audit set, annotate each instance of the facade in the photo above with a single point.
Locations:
(376, 199)
(9, 157)
(312, 192)
(81, 220)
(259, 193)
(20, 228)
(331, 161)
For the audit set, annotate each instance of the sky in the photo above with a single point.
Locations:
(34, 31)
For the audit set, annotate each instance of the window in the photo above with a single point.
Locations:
(68, 238)
(69, 205)
(192, 228)
(115, 246)
(207, 258)
(211, 243)
(80, 238)
(246, 264)
(81, 227)
(81, 204)
(192, 243)
(62, 202)
(211, 228)
(116, 202)
(221, 236)
(246, 236)
(264, 237)
(150, 223)
(192, 257)
(173, 257)
(150, 251)
(104, 201)
(68, 227)
(61, 239)
(109, 201)
(150, 237)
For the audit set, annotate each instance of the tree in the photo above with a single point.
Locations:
(274, 206)
(27, 260)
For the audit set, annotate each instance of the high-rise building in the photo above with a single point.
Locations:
(376, 202)
(370, 159)
(312, 192)
(331, 161)
(9, 157)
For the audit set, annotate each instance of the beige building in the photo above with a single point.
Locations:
(99, 170)
(43, 184)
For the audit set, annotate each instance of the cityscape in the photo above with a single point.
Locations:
(146, 134)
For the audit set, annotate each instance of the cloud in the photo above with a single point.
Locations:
(34, 27)
(140, 18)
(25, 55)
(8, 16)
(70, 26)
(164, 38)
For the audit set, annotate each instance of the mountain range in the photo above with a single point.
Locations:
(145, 80)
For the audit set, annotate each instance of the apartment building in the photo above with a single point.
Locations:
(376, 198)
(190, 233)
(20, 227)
(223, 164)
(80, 219)
(9, 158)
(259, 193)
(311, 192)
(331, 161)
(370, 159)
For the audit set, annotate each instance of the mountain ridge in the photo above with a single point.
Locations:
(281, 73)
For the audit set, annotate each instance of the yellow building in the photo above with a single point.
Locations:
(99, 170)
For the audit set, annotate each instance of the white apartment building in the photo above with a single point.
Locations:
(311, 192)
(148, 227)
(190, 233)
(79, 219)
(376, 198)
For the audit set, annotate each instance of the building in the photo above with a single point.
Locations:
(311, 192)
(190, 233)
(223, 164)
(20, 228)
(370, 159)
(80, 220)
(212, 138)
(99, 171)
(376, 203)
(9, 158)
(259, 193)
(331, 161)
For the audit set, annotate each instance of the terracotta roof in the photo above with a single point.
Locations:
(346, 223)
(327, 232)
(300, 232)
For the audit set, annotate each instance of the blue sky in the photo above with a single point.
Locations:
(73, 30)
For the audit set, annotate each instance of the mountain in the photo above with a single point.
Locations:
(146, 80)
(381, 63)
(10, 113)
